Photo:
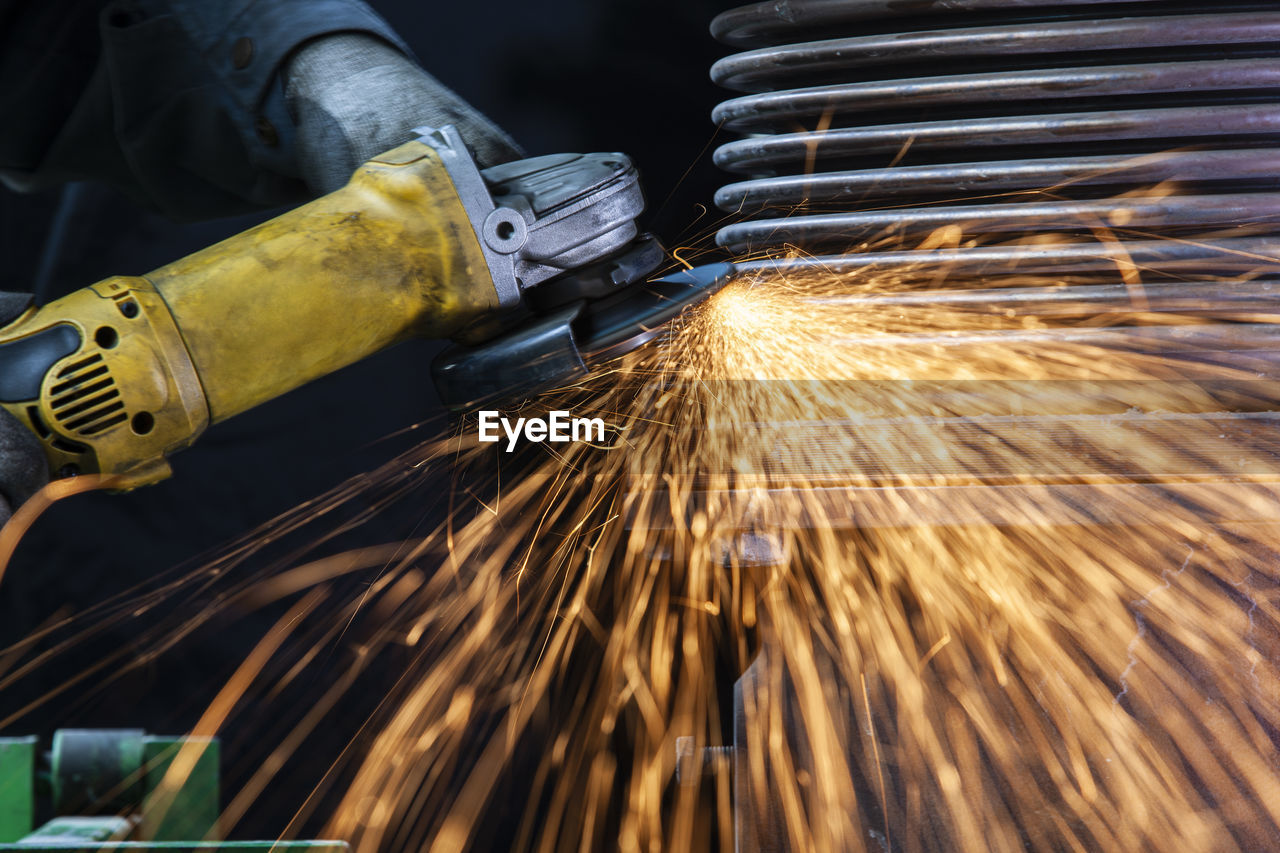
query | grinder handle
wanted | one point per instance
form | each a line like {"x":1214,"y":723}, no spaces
{"x":115,"y":377}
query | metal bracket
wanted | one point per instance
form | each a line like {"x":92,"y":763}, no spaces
{"x":544,"y":216}
{"x":448,"y":144}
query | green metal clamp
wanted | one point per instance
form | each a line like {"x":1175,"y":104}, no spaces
{"x":121,"y":790}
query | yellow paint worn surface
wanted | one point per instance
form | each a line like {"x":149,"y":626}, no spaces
{"x":131,"y":369}
{"x":390,"y":256}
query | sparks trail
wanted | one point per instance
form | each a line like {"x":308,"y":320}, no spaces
{"x":1140,"y":622}
{"x":644,"y":571}
{"x":919,"y":525}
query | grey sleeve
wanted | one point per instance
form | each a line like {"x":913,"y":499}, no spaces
{"x":181,"y":106}
{"x":23,"y":469}
{"x":22,"y":465}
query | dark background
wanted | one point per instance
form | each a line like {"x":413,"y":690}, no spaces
{"x":559,"y":75}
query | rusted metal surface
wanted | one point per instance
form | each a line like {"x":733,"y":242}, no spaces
{"x":845,"y":102}
{"x":978,"y":266}
{"x":1072,"y":504}
{"x":1158,"y":129}
{"x":1258,"y":168}
{"x":770,"y":68}
{"x":1168,"y":214}
{"x":797,"y":20}
{"x":1238,"y":300}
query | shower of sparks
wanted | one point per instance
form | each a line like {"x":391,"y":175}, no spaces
{"x":996,"y":581}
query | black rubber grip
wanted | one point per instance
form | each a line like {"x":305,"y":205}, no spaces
{"x":24,"y":362}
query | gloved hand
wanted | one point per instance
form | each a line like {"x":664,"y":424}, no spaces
{"x":23,"y":469}
{"x":353,"y":96}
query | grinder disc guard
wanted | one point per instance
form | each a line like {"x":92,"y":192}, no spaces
{"x":563,"y":341}
{"x":612,"y":327}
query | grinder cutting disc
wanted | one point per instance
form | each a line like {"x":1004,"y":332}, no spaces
{"x":561,"y":342}
{"x":608,"y":328}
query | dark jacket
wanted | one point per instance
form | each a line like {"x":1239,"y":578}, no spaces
{"x":176,"y":102}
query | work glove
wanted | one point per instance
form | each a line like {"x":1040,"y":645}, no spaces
{"x":23,"y":469}
{"x":353,"y":96}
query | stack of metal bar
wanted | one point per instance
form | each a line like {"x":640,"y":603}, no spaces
{"x":1099,"y":174}
{"x":1006,"y":116}
{"x":1102,"y":174}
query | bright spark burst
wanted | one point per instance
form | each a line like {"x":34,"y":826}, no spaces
{"x":1027,"y":678}
{"x":1004,"y":583}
